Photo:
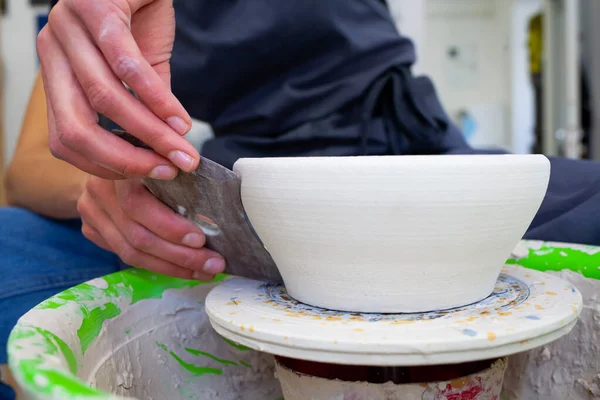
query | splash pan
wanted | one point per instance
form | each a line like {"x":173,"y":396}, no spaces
{"x":135,"y":334}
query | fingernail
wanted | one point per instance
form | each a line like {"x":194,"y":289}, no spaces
{"x":163,"y":172}
{"x":178,"y":125}
{"x":182,"y":160}
{"x":214,"y":266}
{"x":193,"y":240}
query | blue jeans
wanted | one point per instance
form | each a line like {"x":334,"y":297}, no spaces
{"x":40,"y":257}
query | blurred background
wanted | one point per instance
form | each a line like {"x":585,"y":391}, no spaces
{"x":521,"y":75}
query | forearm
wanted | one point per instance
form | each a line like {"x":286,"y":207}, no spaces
{"x":45,"y":185}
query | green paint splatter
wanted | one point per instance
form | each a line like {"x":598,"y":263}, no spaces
{"x":135,"y":284}
{"x":149,"y":285}
{"x":92,"y":323}
{"x":127,"y":331}
{"x":46,"y":381}
{"x":194,"y":369}
{"x":64,"y":348}
{"x":236,"y":345}
{"x":52,"y":344}
{"x":549,"y":258}
{"x":138,"y":284}
{"x":95,"y":304}
{"x":245,"y":364}
{"x":205,"y":354}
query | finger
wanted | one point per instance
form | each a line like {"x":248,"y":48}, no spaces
{"x":145,"y":241}
{"x":89,"y":211}
{"x":108,"y":96}
{"x":145,"y":209}
{"x":157,"y":52}
{"x":76,"y":128}
{"x":94,"y":236}
{"x":130,"y":256}
{"x":61,"y":152}
{"x":110,"y":27}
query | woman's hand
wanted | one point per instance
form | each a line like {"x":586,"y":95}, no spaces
{"x":123,"y":217}
{"x":87,"y":50}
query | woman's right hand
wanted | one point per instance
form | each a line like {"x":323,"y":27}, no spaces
{"x":87,"y":50}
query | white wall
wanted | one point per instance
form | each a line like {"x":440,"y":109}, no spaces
{"x":410,"y":20}
{"x":477,"y":81}
{"x":19,"y":66}
{"x":522,"y":95}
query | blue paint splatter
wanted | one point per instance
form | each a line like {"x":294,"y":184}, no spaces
{"x":534,"y":317}
{"x":469,"y":332}
{"x":573,"y":290}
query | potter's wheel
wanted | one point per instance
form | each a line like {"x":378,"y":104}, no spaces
{"x":527,"y":309}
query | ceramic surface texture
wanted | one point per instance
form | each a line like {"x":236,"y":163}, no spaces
{"x":568,"y":368}
{"x":392,"y":233}
{"x":484,"y":385}
{"x":527,"y":309}
{"x":135,"y":335}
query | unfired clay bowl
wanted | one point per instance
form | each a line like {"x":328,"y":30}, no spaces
{"x":356,"y":233}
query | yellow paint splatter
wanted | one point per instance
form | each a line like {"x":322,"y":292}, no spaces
{"x":360,"y":319}
{"x":333,"y":319}
{"x":575,"y":310}
{"x":505,"y":314}
{"x":471,"y":319}
{"x":402,"y":322}
{"x":358,"y":330}
{"x":522,"y":342}
{"x":491,"y":336}
{"x":316,"y":317}
{"x":292,"y":315}
{"x":276,"y":319}
{"x":242,"y":327}
{"x":251,"y":329}
{"x":538,"y":307}
{"x":458,"y":383}
{"x":551,"y":293}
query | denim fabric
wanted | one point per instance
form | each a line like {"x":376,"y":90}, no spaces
{"x":40,"y":257}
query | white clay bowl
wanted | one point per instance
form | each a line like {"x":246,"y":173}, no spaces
{"x":392,"y":234}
